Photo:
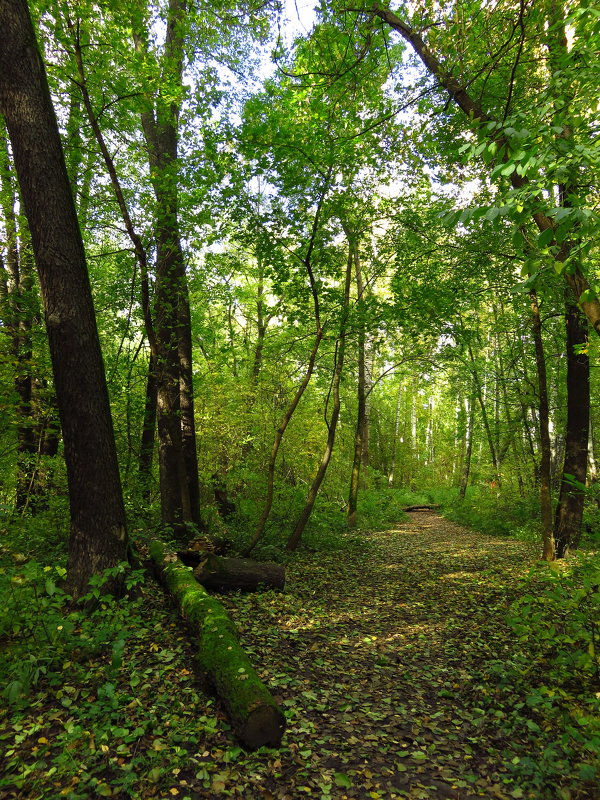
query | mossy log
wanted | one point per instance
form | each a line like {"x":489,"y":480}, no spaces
{"x":229,"y":574}
{"x":256,"y":718}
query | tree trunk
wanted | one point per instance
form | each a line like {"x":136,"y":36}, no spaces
{"x":146,"y":455}
{"x":178,"y":461}
{"x":484,"y":418}
{"x":307,"y":262}
{"x":392,"y":476}
{"x":233,"y":574}
{"x":98,"y":537}
{"x":549,"y":550}
{"x":256,"y":718}
{"x":294,"y":539}
{"x":569,"y":512}
{"x":464,"y":482}
{"x":361,"y":416}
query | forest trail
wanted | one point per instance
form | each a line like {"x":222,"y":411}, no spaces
{"x":384,"y":656}
{"x":380,"y":657}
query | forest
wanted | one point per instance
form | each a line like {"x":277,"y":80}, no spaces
{"x":299,"y":316}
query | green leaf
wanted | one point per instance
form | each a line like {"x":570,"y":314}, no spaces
{"x":545,"y":238}
{"x":342,"y":780}
{"x":518,"y":239}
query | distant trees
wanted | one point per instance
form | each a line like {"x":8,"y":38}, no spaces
{"x":223,"y":221}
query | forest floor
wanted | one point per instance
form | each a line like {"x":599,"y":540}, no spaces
{"x":385,"y":658}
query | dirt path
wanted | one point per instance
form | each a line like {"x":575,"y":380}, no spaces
{"x":385,"y":656}
{"x":379,"y":656}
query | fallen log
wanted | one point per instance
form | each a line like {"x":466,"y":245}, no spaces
{"x":229,"y":574}
{"x":432,"y":507}
{"x":255,"y":716}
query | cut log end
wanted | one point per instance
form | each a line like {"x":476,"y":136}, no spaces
{"x":264,"y":727}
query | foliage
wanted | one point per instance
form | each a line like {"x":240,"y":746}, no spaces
{"x":496,"y":514}
{"x":557,"y":670}
{"x":431,"y":673}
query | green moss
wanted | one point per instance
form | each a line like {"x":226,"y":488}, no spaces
{"x":220,"y":655}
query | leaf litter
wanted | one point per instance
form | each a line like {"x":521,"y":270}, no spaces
{"x":382,"y":658}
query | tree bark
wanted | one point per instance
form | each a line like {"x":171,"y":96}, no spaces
{"x":178,"y":460}
{"x":233,"y":574}
{"x":98,"y":537}
{"x":256,"y":718}
{"x":569,"y":512}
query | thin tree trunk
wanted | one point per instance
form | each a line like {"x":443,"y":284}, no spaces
{"x":307,"y":262}
{"x":98,"y":537}
{"x":146,"y":455}
{"x":361,"y":417}
{"x":549,"y":550}
{"x":294,"y":539}
{"x":392,"y":475}
{"x":484,"y":417}
{"x":260,"y":528}
{"x":470,"y":409}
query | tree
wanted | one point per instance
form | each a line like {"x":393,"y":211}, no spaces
{"x":98,"y":536}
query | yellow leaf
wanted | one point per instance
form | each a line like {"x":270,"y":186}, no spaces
{"x":174,"y":791}
{"x":42,"y":740}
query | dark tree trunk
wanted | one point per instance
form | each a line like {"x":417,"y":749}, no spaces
{"x":233,"y":574}
{"x":98,"y":536}
{"x":569,"y":512}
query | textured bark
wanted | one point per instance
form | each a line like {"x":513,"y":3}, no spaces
{"x":178,"y":461}
{"x":98,"y":535}
{"x":232,"y":574}
{"x":256,"y":718}
{"x":569,"y":512}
